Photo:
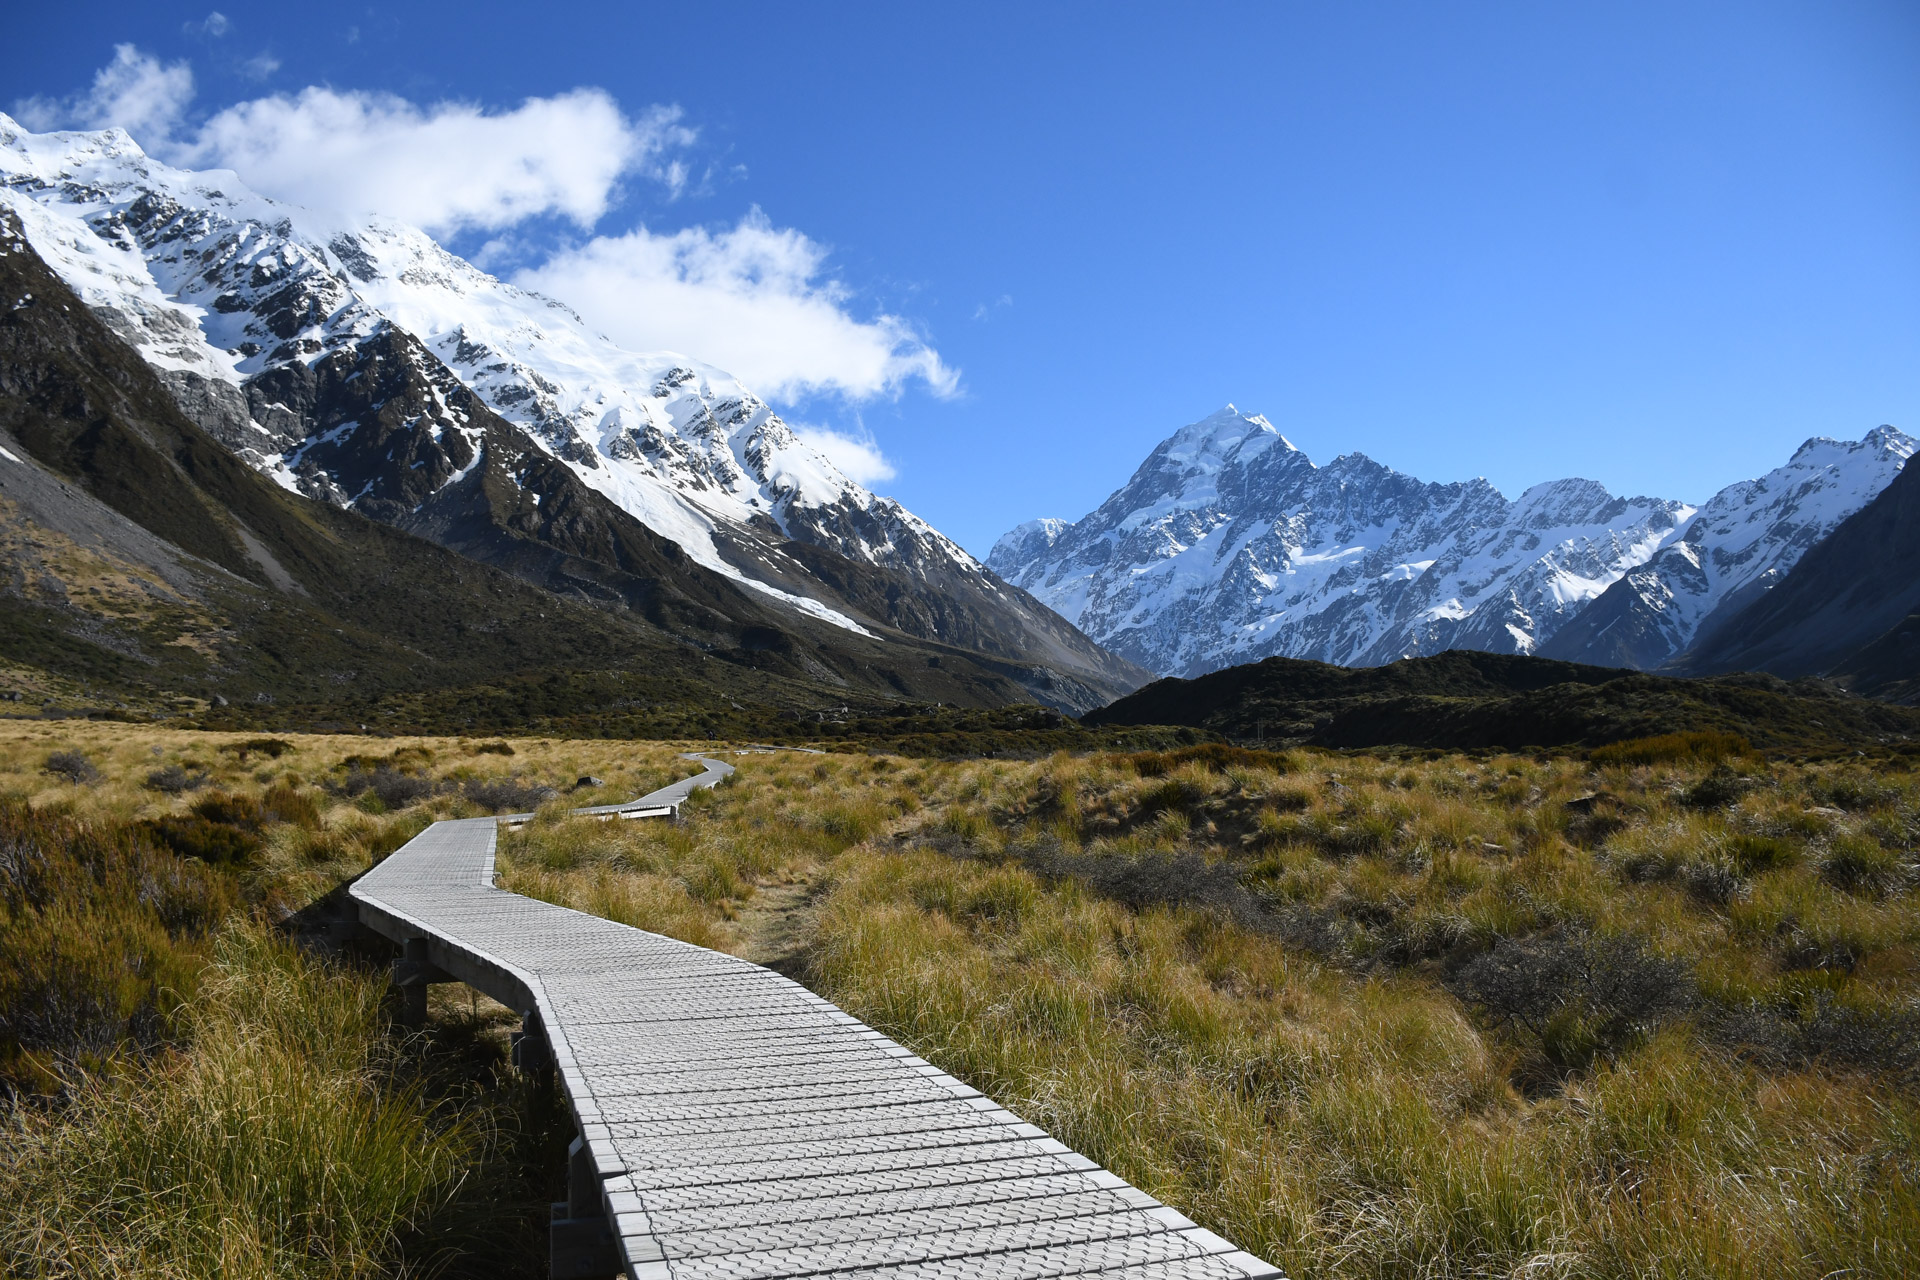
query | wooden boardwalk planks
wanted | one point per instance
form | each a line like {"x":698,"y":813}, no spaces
{"x":743,"y":1128}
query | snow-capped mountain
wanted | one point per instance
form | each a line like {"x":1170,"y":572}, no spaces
{"x":264,"y":318}
{"x":1735,"y":549}
{"x":1229,"y":545}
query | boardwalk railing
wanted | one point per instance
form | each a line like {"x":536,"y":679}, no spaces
{"x":735,"y":1126}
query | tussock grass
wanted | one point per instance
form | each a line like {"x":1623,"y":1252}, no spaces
{"x":186,"y":1094}
{"x":289,"y":1136}
{"x":1373,"y":1017}
{"x":1491,"y":1016}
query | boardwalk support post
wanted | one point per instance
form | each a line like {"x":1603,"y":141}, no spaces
{"x":580,"y":1239}
{"x":412,"y":972}
{"x":528,"y":1048}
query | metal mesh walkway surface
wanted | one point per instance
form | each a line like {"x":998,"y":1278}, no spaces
{"x":733,"y":1125}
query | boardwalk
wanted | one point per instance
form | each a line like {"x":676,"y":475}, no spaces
{"x":733,"y":1125}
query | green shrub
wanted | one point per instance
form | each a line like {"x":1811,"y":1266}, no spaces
{"x":1214,"y":755}
{"x":1578,"y":995}
{"x":73,"y":766}
{"x":1175,"y":795}
{"x":193,"y":836}
{"x":174,"y":780}
{"x":272,"y":748}
{"x":1719,"y":789}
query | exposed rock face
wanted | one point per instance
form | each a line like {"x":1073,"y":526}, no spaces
{"x":360,"y":363}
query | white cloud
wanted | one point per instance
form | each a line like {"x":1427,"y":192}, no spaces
{"x":858,"y":456}
{"x":134,"y":92}
{"x":753,"y":299}
{"x":260,"y":66}
{"x":447,"y":167}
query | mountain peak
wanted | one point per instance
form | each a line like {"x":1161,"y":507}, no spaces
{"x":1826,"y":451}
{"x":1891,"y":438}
{"x":1229,"y":544}
{"x":1206,"y":446}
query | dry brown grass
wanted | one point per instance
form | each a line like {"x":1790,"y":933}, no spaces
{"x":1268,"y":990}
{"x":1251,"y":988}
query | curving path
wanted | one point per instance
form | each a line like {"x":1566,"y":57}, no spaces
{"x":733,"y":1125}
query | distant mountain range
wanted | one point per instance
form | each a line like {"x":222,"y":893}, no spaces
{"x":357,"y":363}
{"x":1229,"y":545}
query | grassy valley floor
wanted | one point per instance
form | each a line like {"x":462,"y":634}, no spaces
{"x":1647,"y":1014}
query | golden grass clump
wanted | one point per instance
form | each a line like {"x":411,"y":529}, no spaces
{"x":280,"y":1141}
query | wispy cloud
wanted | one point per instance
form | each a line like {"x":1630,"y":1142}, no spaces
{"x":753,"y":298}
{"x":857,"y":454}
{"x":260,"y":66}
{"x":134,"y":92}
{"x":447,"y":167}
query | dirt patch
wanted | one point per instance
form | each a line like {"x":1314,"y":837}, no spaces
{"x":775,"y":926}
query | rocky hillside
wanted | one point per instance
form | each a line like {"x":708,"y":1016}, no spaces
{"x":1468,"y":700}
{"x":1849,"y":607}
{"x":359,"y":363}
{"x":144,"y":565}
{"x":1734,"y":551}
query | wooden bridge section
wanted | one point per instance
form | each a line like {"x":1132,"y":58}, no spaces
{"x":735,"y":1126}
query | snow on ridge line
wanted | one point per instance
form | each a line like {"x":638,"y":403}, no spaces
{"x":682,"y":446}
{"x":1220,"y":550}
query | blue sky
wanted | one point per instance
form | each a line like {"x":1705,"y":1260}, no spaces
{"x":1013,"y":247}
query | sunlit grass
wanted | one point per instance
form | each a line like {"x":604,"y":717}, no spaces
{"x":1248,"y":984}
{"x":1292,"y":1065}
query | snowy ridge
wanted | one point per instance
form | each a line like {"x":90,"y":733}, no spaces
{"x":1739,"y":545}
{"x":1229,"y":545}
{"x":215,"y":284}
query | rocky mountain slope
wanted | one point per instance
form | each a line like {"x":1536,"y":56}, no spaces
{"x":359,"y":363}
{"x":1229,"y":544}
{"x":144,"y":563}
{"x":1847,"y":607}
{"x":1733,"y":552}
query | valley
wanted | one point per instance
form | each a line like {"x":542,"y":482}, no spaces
{"x":1394,"y":877}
